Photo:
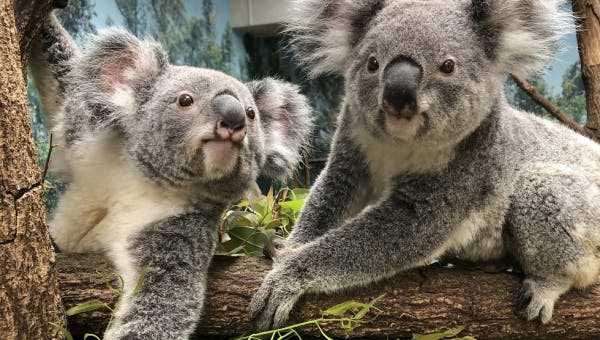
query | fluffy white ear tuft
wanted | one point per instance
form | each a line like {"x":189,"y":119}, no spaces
{"x":527,"y":32}
{"x":323,"y":32}
{"x":115,"y":67}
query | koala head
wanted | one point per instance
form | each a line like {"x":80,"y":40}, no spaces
{"x":425,"y":72}
{"x":183,"y":125}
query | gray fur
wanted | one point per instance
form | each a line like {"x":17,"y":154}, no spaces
{"x":134,"y":156}
{"x":467,"y":176}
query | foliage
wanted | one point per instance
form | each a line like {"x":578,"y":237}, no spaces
{"x":350,"y":314}
{"x":77,"y":18}
{"x":251,"y":226}
{"x":187,"y":39}
{"x":571,"y":100}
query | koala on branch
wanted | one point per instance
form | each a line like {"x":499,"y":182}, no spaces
{"x":153,"y":154}
{"x":430,"y":160}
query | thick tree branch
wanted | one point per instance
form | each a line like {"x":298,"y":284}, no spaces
{"x":419,"y":301}
{"x":587,"y":14}
{"x":548,"y":105}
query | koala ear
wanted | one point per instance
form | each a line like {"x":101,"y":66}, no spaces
{"x":323,"y":32}
{"x":286,"y":121}
{"x":520,"y":35}
{"x":117,"y":65}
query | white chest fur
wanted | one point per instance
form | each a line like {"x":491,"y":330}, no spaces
{"x":108,"y":200}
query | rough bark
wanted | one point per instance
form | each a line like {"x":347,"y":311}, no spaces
{"x":426,"y":300}
{"x":29,"y":297}
{"x":587,"y":13}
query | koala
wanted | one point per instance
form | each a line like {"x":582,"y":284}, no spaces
{"x":153,"y":154}
{"x":429,"y":159}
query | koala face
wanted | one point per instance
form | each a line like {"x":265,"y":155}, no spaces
{"x":424,"y":72}
{"x":183,"y":125}
{"x":419,"y":90}
{"x":196,"y":125}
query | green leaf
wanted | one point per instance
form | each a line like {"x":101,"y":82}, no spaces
{"x":63,"y":330}
{"x":437,"y":336}
{"x":274,"y":224}
{"x":87,"y":306}
{"x":344,"y":308}
{"x":270,"y":200}
{"x":299,"y":193}
{"x":90,"y":335}
{"x":140,"y":281}
{"x":295,"y":205}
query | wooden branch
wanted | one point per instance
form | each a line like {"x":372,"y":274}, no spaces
{"x":548,"y":105}
{"x":426,"y":300}
{"x":587,"y":14}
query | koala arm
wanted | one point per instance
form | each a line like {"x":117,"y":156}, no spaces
{"x":50,"y":64}
{"x":177,"y":252}
{"x":395,"y":235}
{"x":339,"y":192}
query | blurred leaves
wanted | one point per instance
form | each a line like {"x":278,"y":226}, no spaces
{"x":571,"y":100}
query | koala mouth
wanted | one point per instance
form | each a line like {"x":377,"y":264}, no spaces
{"x":405,"y":128}
{"x":220,"y":156}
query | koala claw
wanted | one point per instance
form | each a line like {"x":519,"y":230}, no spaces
{"x":272,"y":303}
{"x":536,"y":301}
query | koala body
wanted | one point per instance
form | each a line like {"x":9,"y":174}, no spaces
{"x":430,"y":160}
{"x":153,"y":154}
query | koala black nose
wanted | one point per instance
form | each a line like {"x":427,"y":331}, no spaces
{"x":231,"y":113}
{"x":401,"y":81}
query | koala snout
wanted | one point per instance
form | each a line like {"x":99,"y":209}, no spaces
{"x":401,"y":80}
{"x":231,"y":115}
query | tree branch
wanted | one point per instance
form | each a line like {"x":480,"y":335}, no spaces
{"x":548,"y":105}
{"x":425,"y":300}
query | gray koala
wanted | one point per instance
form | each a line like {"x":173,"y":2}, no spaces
{"x":429,"y":159}
{"x":154,"y":153}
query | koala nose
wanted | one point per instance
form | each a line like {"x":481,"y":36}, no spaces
{"x":232,"y":117}
{"x":230,"y":111}
{"x":401,"y":81}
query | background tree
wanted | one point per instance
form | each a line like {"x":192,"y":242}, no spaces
{"x":588,"y":39}
{"x":29,"y":297}
{"x":189,"y":40}
{"x":572,"y":98}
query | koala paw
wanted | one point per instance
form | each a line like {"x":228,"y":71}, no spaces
{"x":280,"y":249}
{"x":536,"y":300}
{"x":274,"y":300}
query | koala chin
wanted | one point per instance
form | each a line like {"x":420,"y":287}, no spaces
{"x":430,"y":160}
{"x":153,"y":154}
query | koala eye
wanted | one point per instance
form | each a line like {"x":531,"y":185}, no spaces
{"x":372,"y":64}
{"x":185,"y":100}
{"x":447,"y":67}
{"x":250,"y":112}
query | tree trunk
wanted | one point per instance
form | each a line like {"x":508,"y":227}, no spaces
{"x":588,"y":39}
{"x":425,"y":300}
{"x":29,"y":297}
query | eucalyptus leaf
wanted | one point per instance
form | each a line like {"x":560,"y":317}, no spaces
{"x":295,"y":205}
{"x":63,"y":330}
{"x":87,"y":306}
